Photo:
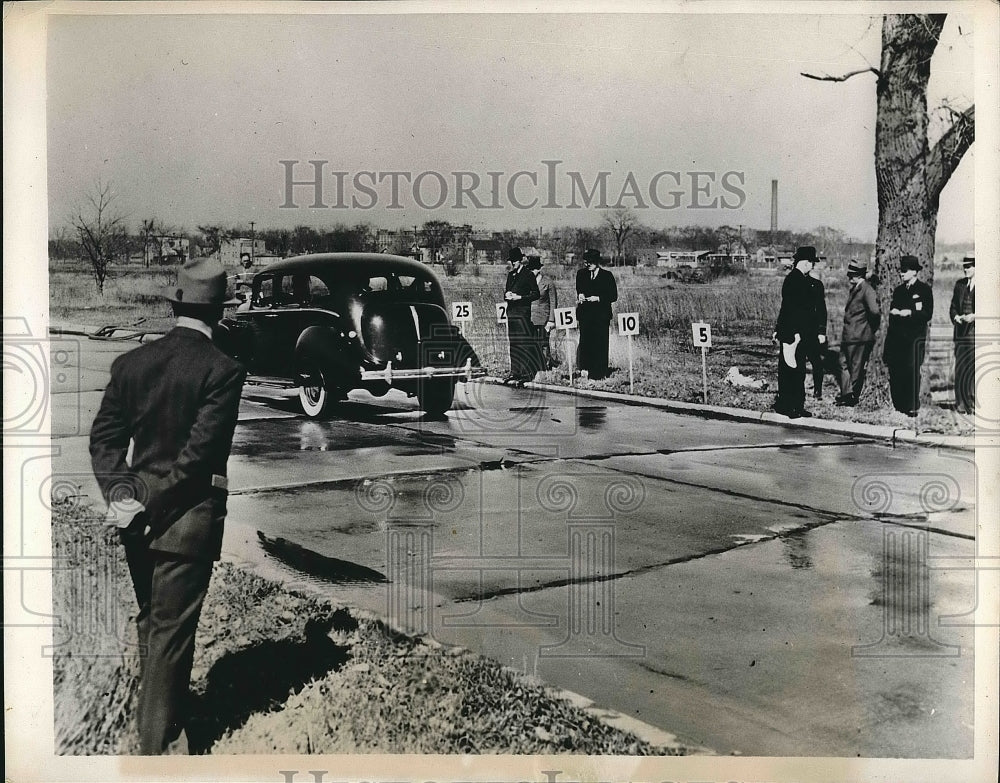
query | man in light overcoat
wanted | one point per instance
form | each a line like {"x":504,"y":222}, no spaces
{"x":862,"y":318}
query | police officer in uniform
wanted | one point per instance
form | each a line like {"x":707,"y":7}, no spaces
{"x":910,"y":310}
{"x":963,"y":317}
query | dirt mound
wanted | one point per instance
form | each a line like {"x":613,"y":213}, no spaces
{"x":280,"y":672}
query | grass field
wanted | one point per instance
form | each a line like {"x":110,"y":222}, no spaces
{"x":741,"y":309}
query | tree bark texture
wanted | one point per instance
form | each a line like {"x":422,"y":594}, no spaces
{"x":910,"y":175}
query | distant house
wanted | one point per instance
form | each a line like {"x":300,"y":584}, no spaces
{"x":231,"y":251}
{"x":483,"y":251}
{"x":168,"y":249}
{"x":736,"y":256}
{"x":772,"y":257}
{"x":674,"y":258}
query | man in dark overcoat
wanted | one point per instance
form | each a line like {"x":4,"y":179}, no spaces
{"x":862,"y":318}
{"x":794,"y":331}
{"x":963,"y":318}
{"x":816,"y":345}
{"x":596,"y":290}
{"x":520,"y":290}
{"x":159,"y":447}
{"x":910,"y":310}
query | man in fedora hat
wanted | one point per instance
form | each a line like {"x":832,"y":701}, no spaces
{"x":910,"y":310}
{"x":596,"y":290}
{"x":963,"y":317}
{"x":520,"y":290}
{"x":795,"y":331}
{"x":862,"y":317}
{"x":175,"y":400}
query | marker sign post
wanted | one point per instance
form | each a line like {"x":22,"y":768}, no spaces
{"x":701,"y":333}
{"x":501,"y":312}
{"x":566,"y":319}
{"x":628,"y":326}
{"x":461,"y":312}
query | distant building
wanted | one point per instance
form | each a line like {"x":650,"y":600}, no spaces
{"x":169,"y":249}
{"x":483,"y":251}
{"x":231,"y":251}
{"x":672,"y":258}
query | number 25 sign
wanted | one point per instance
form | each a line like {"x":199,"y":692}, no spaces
{"x":461,"y":311}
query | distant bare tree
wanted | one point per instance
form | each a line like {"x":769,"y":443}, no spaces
{"x":620,"y":223}
{"x":100,"y":227}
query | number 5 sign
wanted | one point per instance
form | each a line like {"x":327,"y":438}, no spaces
{"x":702,"y":334}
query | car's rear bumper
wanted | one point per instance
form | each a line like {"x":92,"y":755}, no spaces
{"x":391,"y":374}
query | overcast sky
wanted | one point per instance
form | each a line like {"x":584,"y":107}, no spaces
{"x":188,"y":116}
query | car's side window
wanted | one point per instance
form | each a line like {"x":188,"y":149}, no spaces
{"x":318,"y":293}
{"x":264,"y":294}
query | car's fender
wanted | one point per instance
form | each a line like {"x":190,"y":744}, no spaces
{"x":331,"y":350}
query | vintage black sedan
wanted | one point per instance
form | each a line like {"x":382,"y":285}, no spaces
{"x":333,"y":322}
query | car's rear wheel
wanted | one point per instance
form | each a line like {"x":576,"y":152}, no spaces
{"x":315,"y":394}
{"x":435,"y":395}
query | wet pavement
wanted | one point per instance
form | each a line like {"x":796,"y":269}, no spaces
{"x":749,"y":587}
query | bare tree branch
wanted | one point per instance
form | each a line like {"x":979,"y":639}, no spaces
{"x":845,"y":77}
{"x":944,"y":158}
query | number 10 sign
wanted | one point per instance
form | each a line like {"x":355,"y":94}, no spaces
{"x":628,"y":326}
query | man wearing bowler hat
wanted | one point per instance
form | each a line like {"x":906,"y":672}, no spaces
{"x":862,"y":317}
{"x":176,"y":401}
{"x":596,"y":290}
{"x":520,"y":290}
{"x":963,"y":317}
{"x":795,"y":331}
{"x":910,"y":310}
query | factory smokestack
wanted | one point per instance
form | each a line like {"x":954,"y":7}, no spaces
{"x":774,"y":205}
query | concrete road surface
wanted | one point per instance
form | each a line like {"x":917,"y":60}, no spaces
{"x":748,"y":587}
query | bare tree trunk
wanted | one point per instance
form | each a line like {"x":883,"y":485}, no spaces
{"x":909,"y":174}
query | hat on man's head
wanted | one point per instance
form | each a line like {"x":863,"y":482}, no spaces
{"x":857,"y":268}
{"x":534,"y":262}
{"x":968,"y":261}
{"x":805,"y":253}
{"x":591,"y":256}
{"x":201,"y":281}
{"x":907,"y":263}
{"x":514,"y":254}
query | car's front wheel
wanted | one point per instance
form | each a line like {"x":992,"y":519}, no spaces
{"x":435,"y":395}
{"x":315,"y":394}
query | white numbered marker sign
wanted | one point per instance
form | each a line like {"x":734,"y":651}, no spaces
{"x":565,"y":318}
{"x":628,"y":324}
{"x":461,"y":311}
{"x":702,"y":334}
{"x":501,"y":312}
